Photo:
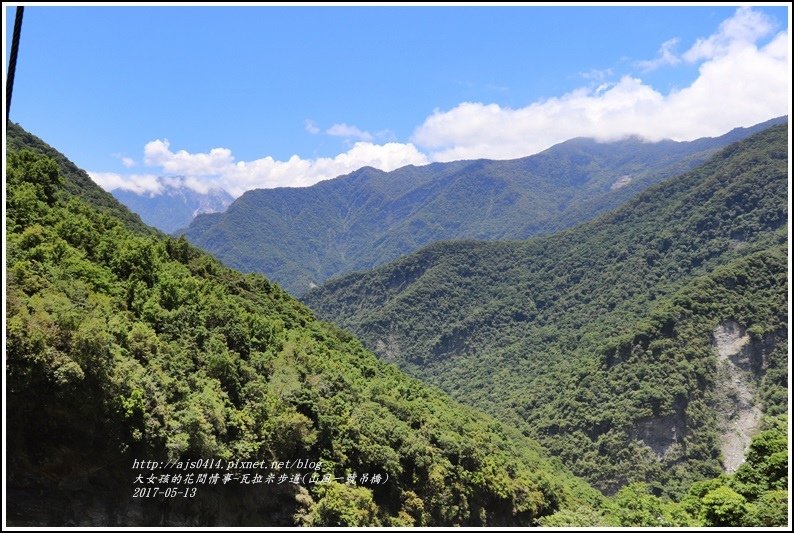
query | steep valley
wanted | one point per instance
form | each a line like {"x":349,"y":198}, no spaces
{"x":598,"y":340}
{"x":596,"y":349}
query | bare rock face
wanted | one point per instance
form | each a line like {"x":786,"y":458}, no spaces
{"x":620,"y":182}
{"x":730,"y":338}
{"x":741,"y":363}
{"x":739,"y":359}
{"x":661,"y":434}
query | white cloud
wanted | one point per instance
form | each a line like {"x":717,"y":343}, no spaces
{"x":137,"y":183}
{"x":739,"y":84}
{"x":742,"y":88}
{"x":473,"y":130}
{"x":386,"y":135}
{"x":128,"y":162}
{"x":297,"y":172}
{"x":778,"y":48}
{"x":742,"y":30}
{"x":157,"y":154}
{"x":665,"y":57}
{"x":218,"y":168}
{"x":598,"y":75}
{"x":349,"y":132}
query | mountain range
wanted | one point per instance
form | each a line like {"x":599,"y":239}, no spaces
{"x":175,"y":206}
{"x":641,"y":346}
{"x":300,"y":237}
{"x":640,"y":349}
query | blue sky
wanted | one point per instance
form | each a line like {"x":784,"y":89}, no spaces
{"x":246,"y":97}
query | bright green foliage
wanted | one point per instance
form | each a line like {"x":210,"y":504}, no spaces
{"x":771,"y":509}
{"x":344,"y":506}
{"x":125,"y":345}
{"x":766,"y":465}
{"x":77,"y":181}
{"x":724,"y":507}
{"x":599,"y":340}
{"x":301,"y":237}
{"x":720,"y":501}
{"x":635,"y":506}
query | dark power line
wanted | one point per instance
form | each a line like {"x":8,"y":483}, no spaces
{"x":12,"y":61}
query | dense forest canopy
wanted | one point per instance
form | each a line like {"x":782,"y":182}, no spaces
{"x":124,"y":344}
{"x":600,"y":340}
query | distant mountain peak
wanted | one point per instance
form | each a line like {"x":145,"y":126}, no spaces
{"x":175,"y":204}
{"x":300,"y":236}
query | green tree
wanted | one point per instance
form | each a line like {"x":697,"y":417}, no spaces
{"x":41,"y":172}
{"x":724,"y":507}
{"x":344,"y":506}
{"x":635,"y":506}
{"x":770,"y":510}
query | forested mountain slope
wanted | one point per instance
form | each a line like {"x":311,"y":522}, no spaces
{"x":630,"y":346}
{"x":123,"y":344}
{"x":300,"y":237}
{"x":77,"y":181}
